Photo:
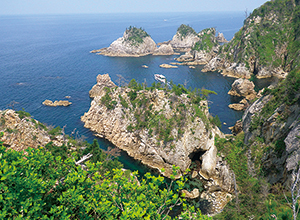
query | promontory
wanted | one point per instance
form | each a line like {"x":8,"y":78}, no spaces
{"x":160,"y":127}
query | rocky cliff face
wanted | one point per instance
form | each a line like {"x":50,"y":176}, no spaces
{"x":279,"y":130}
{"x":203,"y":50}
{"x":264,"y":45}
{"x":21,"y":131}
{"x":160,"y":129}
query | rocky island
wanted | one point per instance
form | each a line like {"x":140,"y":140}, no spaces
{"x":135,"y":42}
{"x":160,"y":128}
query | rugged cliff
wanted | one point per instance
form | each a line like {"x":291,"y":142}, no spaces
{"x":203,"y":50}
{"x":20,"y":131}
{"x":161,"y":128}
{"x":266,"y":45}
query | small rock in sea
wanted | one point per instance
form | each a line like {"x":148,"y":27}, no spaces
{"x":56,"y":103}
{"x":167,"y":66}
{"x":145,"y":66}
{"x":67,"y":97}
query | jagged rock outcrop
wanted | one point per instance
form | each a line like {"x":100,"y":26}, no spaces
{"x":243,"y":88}
{"x":281,"y":130}
{"x":227,"y":68}
{"x":57,"y":103}
{"x":134,"y":43}
{"x":21,"y":132}
{"x":113,"y":125}
{"x":220,"y":38}
{"x":102,"y":82}
{"x":112,"y":116}
{"x":185,"y":38}
{"x":163,"y":50}
{"x":237,"y":128}
{"x":203,"y":50}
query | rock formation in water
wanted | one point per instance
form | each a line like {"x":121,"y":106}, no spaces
{"x":57,"y":103}
{"x":203,"y":50}
{"x":243,"y":88}
{"x":135,"y":43}
{"x":164,"y":49}
{"x":159,"y":128}
{"x":185,"y":38}
{"x":168,"y":66}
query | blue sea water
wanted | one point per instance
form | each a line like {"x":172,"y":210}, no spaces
{"x":47,"y":57}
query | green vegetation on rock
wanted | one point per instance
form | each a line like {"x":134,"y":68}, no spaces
{"x":135,"y":35}
{"x":207,"y":40}
{"x":181,"y":107}
{"x":254,"y":198}
{"x":269,"y":37}
{"x":185,"y":30}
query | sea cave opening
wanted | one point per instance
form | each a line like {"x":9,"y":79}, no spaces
{"x":196,"y":158}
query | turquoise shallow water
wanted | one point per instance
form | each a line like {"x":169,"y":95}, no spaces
{"x":47,"y":57}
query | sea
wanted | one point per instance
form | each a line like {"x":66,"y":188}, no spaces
{"x":48,"y":57}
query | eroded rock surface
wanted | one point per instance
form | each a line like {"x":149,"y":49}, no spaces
{"x":243,"y":88}
{"x":19,"y":133}
{"x":118,"y":125}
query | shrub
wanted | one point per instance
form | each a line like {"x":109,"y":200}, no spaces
{"x":22,"y":114}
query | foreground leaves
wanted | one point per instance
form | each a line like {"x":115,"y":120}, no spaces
{"x":39,"y":185}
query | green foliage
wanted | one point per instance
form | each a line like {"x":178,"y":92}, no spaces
{"x":185,"y":30}
{"x":271,"y":28}
{"x":254,"y":197}
{"x":206,"y":92}
{"x":123,"y":102}
{"x":107,"y":101}
{"x":216,"y":121}
{"x":179,"y":89}
{"x":22,"y":114}
{"x":207,"y":40}
{"x":136,"y":35}
{"x":55,"y":131}
{"x":280,"y":147}
{"x":43,"y":185}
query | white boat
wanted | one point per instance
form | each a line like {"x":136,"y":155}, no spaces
{"x":160,"y":78}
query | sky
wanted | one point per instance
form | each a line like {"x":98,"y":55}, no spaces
{"x":16,"y":7}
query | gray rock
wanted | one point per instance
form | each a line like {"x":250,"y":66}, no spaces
{"x":122,"y":47}
{"x":244,"y":88}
